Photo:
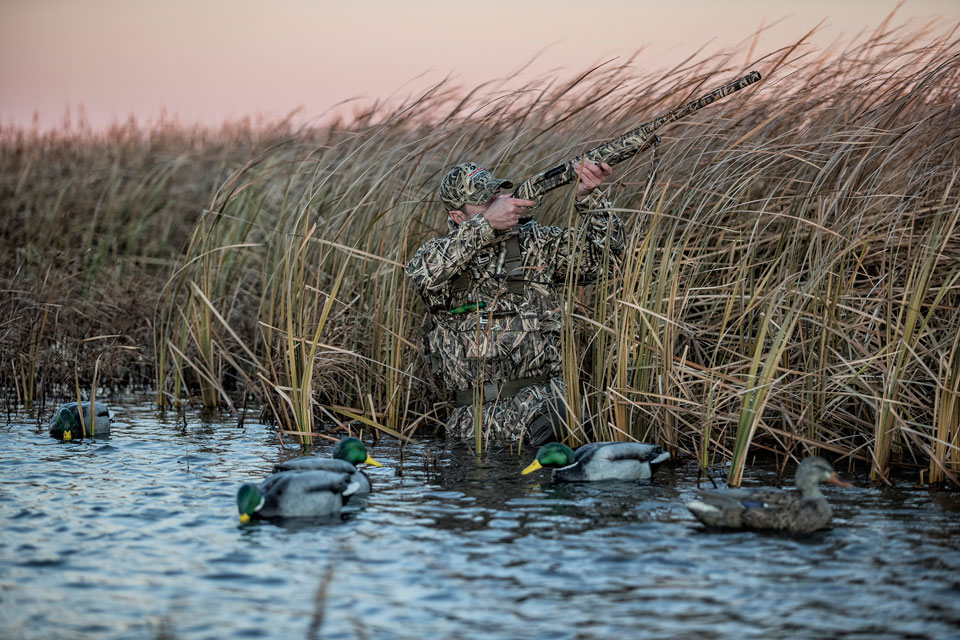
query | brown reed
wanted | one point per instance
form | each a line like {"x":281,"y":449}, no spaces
{"x":791,"y":280}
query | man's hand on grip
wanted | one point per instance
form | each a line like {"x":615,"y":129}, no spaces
{"x":504,"y":212}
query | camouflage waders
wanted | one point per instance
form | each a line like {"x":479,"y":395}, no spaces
{"x":494,"y":322}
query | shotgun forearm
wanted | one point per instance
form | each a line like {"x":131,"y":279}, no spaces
{"x":622,"y":147}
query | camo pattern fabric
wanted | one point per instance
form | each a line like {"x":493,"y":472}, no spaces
{"x":515,"y":334}
{"x":625,"y":146}
{"x":508,"y":418}
{"x":469,"y":183}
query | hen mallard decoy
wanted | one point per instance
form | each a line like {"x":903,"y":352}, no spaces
{"x":65,"y":424}
{"x":346,"y":455}
{"x":768,"y":508}
{"x":308,"y":486}
{"x":599,"y":461}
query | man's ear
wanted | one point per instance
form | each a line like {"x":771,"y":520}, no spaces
{"x":456,"y":216}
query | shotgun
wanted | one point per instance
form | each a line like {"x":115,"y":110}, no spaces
{"x":623,"y":147}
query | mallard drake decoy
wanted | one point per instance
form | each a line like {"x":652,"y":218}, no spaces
{"x":65,"y":424}
{"x":346,"y":455}
{"x":309,"y":485}
{"x":599,"y":461}
{"x":799,"y":511}
{"x":294,"y":494}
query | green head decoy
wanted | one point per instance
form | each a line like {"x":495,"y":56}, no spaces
{"x":599,"y":461}
{"x":62,"y":424}
{"x":553,"y":455}
{"x":296,"y":494}
{"x":353,"y":451}
{"x":249,"y":501}
{"x":66,"y":423}
{"x":309,"y":485}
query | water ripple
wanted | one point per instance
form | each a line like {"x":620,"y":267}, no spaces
{"x":137,"y":536}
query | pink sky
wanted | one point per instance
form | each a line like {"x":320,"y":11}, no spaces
{"x":207,"y":60}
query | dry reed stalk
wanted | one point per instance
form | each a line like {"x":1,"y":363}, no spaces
{"x":790,"y":280}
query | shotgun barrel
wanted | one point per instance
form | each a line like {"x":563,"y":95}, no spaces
{"x":622,"y":147}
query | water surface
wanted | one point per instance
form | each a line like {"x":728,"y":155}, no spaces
{"x":136,"y":536}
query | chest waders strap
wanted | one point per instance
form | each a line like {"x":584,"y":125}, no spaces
{"x":493,"y":391}
{"x":432,"y":357}
{"x":512,"y":263}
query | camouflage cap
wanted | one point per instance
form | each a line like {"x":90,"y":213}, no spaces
{"x":469,"y":183}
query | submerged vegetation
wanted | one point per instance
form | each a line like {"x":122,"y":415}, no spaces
{"x":792,"y":279}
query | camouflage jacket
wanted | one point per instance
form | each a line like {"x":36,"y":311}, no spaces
{"x":508,"y":323}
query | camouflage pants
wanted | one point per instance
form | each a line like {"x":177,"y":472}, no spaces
{"x":519,"y":417}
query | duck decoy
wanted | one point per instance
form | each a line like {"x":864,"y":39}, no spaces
{"x":346,"y":455}
{"x":309,"y":486}
{"x":295,"y":494}
{"x":768,"y":508}
{"x":65,"y":424}
{"x":599,"y":461}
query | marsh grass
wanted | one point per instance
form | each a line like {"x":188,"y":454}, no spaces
{"x":92,"y":223}
{"x":791,"y":283}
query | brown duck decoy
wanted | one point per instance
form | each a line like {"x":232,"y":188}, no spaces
{"x":772,"y":509}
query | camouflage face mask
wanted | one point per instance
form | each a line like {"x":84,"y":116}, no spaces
{"x":469,"y":183}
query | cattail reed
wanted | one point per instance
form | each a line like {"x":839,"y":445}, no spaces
{"x":792,"y":276}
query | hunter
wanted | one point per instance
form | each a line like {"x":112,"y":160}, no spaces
{"x":493,"y":291}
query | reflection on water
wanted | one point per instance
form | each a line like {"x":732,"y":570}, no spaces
{"x":137,"y":536}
